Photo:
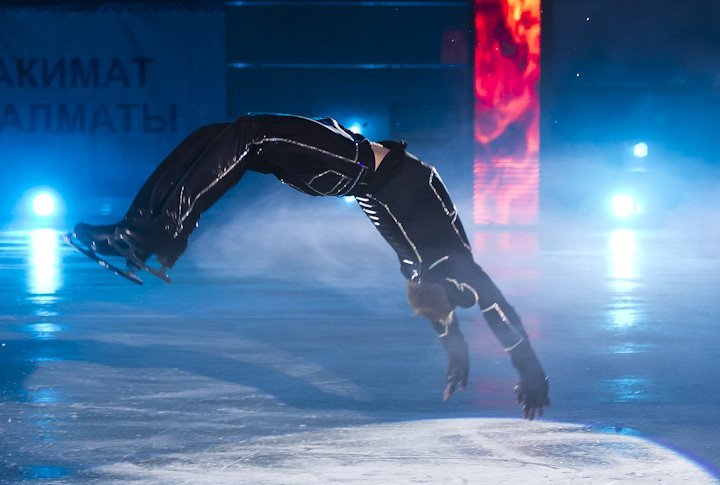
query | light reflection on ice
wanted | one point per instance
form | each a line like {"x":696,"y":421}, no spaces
{"x":623,"y":255}
{"x":44,"y":331}
{"x":630,"y":388}
{"x":623,"y":316}
{"x":44,"y":277}
{"x":45,"y":395}
{"x":630,"y":348}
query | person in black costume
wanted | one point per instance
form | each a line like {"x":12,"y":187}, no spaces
{"x":401,"y":195}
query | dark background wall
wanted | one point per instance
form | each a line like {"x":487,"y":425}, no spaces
{"x":94,"y":94}
{"x":617,"y":72}
{"x":614,"y":72}
{"x":399,"y":70}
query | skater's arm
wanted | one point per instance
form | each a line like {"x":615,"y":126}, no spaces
{"x":431,"y":301}
{"x":506,"y":325}
{"x":454,"y":343}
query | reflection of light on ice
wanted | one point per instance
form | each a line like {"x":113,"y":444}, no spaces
{"x":44,"y":275}
{"x":630,"y":388}
{"x":623,"y":317}
{"x":44,"y":331}
{"x":622,"y":268}
{"x":44,"y":395}
{"x":500,"y":451}
{"x":630,"y":348}
{"x":623,"y":247}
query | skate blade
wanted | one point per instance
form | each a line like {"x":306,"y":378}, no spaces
{"x":158,"y":272}
{"x":70,"y":239}
{"x":134,"y":262}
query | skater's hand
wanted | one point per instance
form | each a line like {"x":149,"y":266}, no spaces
{"x":532,"y":391}
{"x":458,"y":364}
{"x":532,"y":395}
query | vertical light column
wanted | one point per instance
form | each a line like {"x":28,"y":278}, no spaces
{"x":507,"y":135}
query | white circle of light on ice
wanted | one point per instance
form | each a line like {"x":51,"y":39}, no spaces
{"x":454,"y":451}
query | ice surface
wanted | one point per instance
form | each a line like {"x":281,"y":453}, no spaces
{"x":455,"y":451}
{"x":279,"y":371}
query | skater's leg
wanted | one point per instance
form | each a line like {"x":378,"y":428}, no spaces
{"x":256,"y":142}
{"x":157,"y":187}
{"x":207,"y":164}
{"x":154,"y":191}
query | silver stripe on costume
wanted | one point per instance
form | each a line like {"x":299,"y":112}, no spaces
{"x":444,"y":258}
{"x":291,"y":185}
{"x":237,"y":159}
{"x":506,"y":321}
{"x":461,"y":287}
{"x":451,"y":214}
{"x":310,"y":147}
{"x":402,"y":229}
{"x":433,"y":173}
{"x":457,"y":231}
{"x":341,"y":191}
{"x":343,"y":178}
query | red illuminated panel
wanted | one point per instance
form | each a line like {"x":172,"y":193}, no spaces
{"x":507,"y":136}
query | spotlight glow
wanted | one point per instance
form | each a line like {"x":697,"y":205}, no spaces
{"x":349,"y":199}
{"x":43,"y":204}
{"x":624,"y":206}
{"x":640,"y":150}
{"x":356,"y":128}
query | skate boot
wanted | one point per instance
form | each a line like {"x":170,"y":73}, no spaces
{"x":119,"y":240}
{"x":95,"y":238}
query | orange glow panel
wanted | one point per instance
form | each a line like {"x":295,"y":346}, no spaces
{"x":507,"y":107}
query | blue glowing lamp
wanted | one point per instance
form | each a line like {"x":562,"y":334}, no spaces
{"x":640,"y":150}
{"x":623,"y":206}
{"x":43,"y":204}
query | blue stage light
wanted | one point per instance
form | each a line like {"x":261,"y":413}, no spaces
{"x":624,"y":206}
{"x":640,"y":150}
{"x":349,"y":199}
{"x":43,"y":204}
{"x":356,"y":128}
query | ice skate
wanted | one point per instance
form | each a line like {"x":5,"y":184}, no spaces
{"x":116,"y":241}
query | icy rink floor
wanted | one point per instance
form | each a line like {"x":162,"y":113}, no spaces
{"x":438,"y":451}
{"x":303,"y":364}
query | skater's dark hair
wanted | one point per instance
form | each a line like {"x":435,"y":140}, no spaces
{"x":429,"y":300}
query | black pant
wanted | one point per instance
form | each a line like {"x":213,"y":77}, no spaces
{"x":316,"y":156}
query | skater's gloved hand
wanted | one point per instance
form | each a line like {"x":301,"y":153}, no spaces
{"x":533,"y":397}
{"x":532,"y":391}
{"x":458,"y":363}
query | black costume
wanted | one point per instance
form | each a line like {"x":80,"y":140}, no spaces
{"x":405,"y":199}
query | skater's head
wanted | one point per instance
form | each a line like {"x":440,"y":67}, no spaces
{"x":429,"y":300}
